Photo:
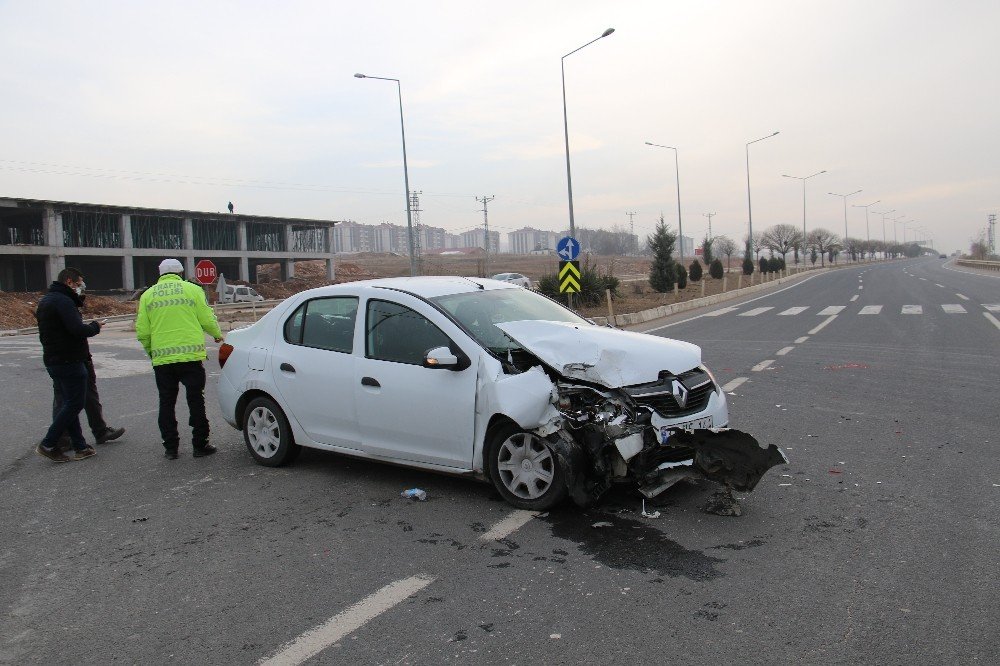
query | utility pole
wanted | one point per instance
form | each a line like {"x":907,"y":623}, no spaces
{"x":992,"y":233}
{"x":709,"y":216}
{"x":632,"y":239}
{"x":486,"y":231}
{"x":415,"y":211}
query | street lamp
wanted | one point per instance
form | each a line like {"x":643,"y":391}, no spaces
{"x":406,"y":174}
{"x":895,"y":221}
{"x":883,"y":214}
{"x":844,"y":196}
{"x":749,"y":207}
{"x":677,"y":171}
{"x":868,"y":234}
{"x":803,"y":179}
{"x":569,"y":177}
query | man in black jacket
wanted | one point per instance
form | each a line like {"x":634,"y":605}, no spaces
{"x":64,"y":352}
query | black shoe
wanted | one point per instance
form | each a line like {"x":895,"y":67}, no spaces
{"x":202,"y":451}
{"x":170,"y":454}
{"x":109,"y":434}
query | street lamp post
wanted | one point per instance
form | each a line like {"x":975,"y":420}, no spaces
{"x":677,"y":171}
{"x":803,"y":179}
{"x":749,"y":207}
{"x":895,"y":221}
{"x":406,"y":174}
{"x":844,"y":197}
{"x":868,"y":234}
{"x":884,"y":240}
{"x":569,"y":177}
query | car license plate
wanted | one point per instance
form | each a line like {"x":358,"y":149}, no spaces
{"x":697,"y":424}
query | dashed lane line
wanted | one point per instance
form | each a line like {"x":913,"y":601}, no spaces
{"x":854,"y":298}
{"x":822,"y":326}
{"x":763,"y":365}
{"x":793,"y":311}
{"x":912,"y":309}
{"x":784,"y":350}
{"x":507,"y":526}
{"x":992,"y":307}
{"x":870,"y":310}
{"x":992,"y":319}
{"x":316,"y":640}
{"x":964,"y":298}
{"x":716,"y":313}
{"x":734,"y":384}
{"x":755,"y":312}
{"x":940,"y":285}
{"x":832,"y":310}
{"x":799,"y":341}
{"x":953,"y":308}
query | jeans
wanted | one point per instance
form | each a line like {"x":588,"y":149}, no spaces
{"x":168,"y":378}
{"x":92,"y":403}
{"x":71,"y":384}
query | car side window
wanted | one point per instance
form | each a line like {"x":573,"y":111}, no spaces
{"x":324,"y":323}
{"x":396,"y":333}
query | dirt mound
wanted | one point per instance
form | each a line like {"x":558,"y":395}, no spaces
{"x":17,"y":309}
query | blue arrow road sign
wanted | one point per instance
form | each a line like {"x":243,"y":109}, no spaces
{"x":567,"y":248}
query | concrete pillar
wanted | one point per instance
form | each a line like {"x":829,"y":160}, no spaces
{"x":241,"y":236}
{"x":289,"y":238}
{"x":289,"y":268}
{"x":56,"y":261}
{"x":331,"y":271}
{"x":188,"y":234}
{"x":128,"y":273}
{"x":244,"y":271}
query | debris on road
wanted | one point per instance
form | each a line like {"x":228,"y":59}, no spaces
{"x":603,"y":523}
{"x":723,"y":503}
{"x":414,"y":494}
{"x":645,"y":514}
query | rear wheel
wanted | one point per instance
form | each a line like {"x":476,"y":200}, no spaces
{"x":525,"y":470}
{"x":267,"y":434}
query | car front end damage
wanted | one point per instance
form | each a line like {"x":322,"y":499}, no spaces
{"x":611,"y":419}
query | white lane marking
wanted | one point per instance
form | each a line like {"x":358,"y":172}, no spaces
{"x":940,"y":285}
{"x":871,"y":309}
{"x":821,"y":326}
{"x":992,"y":307}
{"x":755,"y":311}
{"x":854,"y":298}
{"x":912,"y":309}
{"x":992,"y":319}
{"x":832,"y":310}
{"x":506,"y":527}
{"x":953,"y":308}
{"x":860,"y":287}
{"x":924,"y":279}
{"x":716,"y":313}
{"x":750,"y":300}
{"x":763,"y":365}
{"x":799,"y":341}
{"x":964,"y":298}
{"x":316,"y":640}
{"x":784,"y":350}
{"x":734,"y":384}
{"x":793,"y":311}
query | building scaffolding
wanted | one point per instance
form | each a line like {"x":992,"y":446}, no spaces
{"x":156,"y":231}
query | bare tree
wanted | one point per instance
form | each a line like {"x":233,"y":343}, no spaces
{"x":854,"y":247}
{"x":725,"y":245}
{"x":781,"y":238}
{"x":822,"y":240}
{"x":758,"y":244}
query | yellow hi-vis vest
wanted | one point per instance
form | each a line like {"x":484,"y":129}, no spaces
{"x":173,"y":319}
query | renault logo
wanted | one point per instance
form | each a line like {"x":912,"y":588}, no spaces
{"x":680,"y":393}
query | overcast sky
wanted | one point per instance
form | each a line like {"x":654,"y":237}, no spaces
{"x":189,"y":105}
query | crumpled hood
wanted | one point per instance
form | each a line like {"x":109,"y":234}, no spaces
{"x":606,"y":356}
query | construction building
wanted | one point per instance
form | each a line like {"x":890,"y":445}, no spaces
{"x":117,"y":247}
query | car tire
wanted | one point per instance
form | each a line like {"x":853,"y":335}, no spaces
{"x":524,"y":469}
{"x":267,"y":434}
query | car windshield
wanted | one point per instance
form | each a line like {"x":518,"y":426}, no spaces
{"x":479,"y":311}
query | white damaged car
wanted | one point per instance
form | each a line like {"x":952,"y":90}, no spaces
{"x":479,"y":377}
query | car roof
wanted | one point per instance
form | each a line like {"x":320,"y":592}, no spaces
{"x":423,"y":286}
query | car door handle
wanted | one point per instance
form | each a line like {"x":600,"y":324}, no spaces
{"x":370,"y":381}
{"x":286,"y":367}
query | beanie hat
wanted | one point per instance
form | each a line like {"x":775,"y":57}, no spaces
{"x":171,"y":266}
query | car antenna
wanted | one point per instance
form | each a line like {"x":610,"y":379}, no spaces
{"x":478,"y":284}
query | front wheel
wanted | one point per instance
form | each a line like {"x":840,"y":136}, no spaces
{"x":267,"y":433}
{"x":525,"y":470}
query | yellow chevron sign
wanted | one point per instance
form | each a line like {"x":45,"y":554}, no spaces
{"x":569,"y":277}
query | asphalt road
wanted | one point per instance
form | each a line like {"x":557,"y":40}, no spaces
{"x":876,"y":544}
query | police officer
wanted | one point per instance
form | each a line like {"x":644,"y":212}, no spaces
{"x":172,"y":321}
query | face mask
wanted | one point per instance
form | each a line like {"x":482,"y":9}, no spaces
{"x":80,"y":288}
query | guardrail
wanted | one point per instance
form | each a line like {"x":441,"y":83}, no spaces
{"x":985,"y":265}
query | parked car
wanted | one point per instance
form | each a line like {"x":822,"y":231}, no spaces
{"x":514,"y":278}
{"x":476,"y":376}
{"x":238,"y":293}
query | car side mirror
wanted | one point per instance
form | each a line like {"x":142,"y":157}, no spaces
{"x":440,"y":357}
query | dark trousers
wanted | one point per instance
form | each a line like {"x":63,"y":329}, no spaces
{"x":92,"y":403}
{"x":71,"y":384}
{"x":169,"y":377}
